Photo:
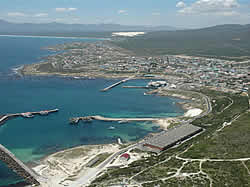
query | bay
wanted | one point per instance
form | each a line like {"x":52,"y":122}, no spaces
{"x":32,"y":139}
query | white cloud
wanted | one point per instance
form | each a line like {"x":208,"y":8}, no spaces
{"x":76,"y":19}
{"x":228,"y":13}
{"x":156,"y":13}
{"x":41,"y":15}
{"x":215,"y":7}
{"x":59,"y":20}
{"x":65,"y":9}
{"x":20,"y":14}
{"x":122,"y":11}
{"x":16,"y":14}
{"x":180,"y":4}
{"x":72,"y":9}
{"x":60,"y":9}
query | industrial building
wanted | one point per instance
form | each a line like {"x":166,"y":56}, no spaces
{"x":167,"y":139}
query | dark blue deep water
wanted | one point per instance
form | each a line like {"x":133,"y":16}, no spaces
{"x":31,"y":139}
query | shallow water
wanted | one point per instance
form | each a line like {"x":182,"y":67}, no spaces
{"x":31,"y":139}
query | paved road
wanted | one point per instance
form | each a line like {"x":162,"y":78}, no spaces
{"x":93,"y":172}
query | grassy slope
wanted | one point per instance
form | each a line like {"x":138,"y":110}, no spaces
{"x":228,"y":40}
{"x":229,"y":143}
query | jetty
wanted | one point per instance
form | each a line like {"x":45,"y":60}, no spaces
{"x":101,"y":118}
{"x":117,"y":83}
{"x":4,"y":118}
{"x":141,"y":87}
{"x":18,"y":167}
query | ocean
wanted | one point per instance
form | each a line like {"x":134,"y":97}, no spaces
{"x":32,"y":139}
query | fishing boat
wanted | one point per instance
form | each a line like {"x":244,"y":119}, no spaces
{"x":111,"y":128}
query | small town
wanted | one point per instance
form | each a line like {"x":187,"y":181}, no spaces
{"x":103,"y":59}
{"x":125,"y":93}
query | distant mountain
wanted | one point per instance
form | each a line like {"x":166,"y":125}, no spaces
{"x":227,"y":27}
{"x":54,"y":27}
{"x":221,"y":40}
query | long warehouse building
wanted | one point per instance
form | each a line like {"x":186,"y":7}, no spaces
{"x":167,"y":139}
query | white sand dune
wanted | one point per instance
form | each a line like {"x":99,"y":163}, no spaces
{"x":165,"y":123}
{"x":58,"y":168}
{"x":129,"y":34}
{"x":193,"y":112}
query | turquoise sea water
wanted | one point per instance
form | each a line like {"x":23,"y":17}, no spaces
{"x":31,"y":139}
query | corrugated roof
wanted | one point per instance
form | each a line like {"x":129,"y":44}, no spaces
{"x":173,"y":135}
{"x":125,"y":155}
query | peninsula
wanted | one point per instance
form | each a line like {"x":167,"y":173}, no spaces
{"x":105,"y":59}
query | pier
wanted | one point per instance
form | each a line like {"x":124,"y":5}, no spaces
{"x":117,"y":83}
{"x":100,"y":118}
{"x":4,"y":118}
{"x":142,"y":87}
{"x":18,"y":167}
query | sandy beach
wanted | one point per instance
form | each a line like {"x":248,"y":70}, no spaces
{"x":165,"y":123}
{"x":63,"y":167}
{"x":129,"y":34}
{"x":193,"y":112}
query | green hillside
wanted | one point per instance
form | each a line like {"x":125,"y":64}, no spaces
{"x":223,"y":40}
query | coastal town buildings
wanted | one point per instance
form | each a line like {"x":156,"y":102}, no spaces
{"x":103,"y":59}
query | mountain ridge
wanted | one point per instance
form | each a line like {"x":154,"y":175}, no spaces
{"x":6,"y":26}
{"x":221,"y":40}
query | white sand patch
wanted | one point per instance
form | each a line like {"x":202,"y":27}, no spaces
{"x":164,"y":123}
{"x":58,"y":168}
{"x":193,"y":112}
{"x":133,"y":157}
{"x":129,"y":34}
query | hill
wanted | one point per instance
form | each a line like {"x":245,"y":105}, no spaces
{"x":219,"y":41}
{"x":60,"y":29}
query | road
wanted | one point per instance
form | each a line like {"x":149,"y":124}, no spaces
{"x":93,"y":172}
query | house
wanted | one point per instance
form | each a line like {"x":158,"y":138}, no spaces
{"x":125,"y":157}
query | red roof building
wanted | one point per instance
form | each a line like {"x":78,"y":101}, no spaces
{"x":125,"y":156}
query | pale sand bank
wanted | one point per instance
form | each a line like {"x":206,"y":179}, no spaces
{"x":63,"y":167}
{"x":193,"y":112}
{"x":165,"y":123}
{"x":129,"y":34}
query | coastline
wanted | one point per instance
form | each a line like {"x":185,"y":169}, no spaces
{"x":64,"y":167}
{"x":58,"y":37}
{"x":28,"y":70}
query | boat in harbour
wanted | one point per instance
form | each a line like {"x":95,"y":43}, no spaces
{"x":111,"y":128}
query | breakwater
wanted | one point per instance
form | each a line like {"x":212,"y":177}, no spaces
{"x":100,"y":118}
{"x":4,"y":118}
{"x":18,"y":166}
{"x":143,"y":87}
{"x":26,"y":138}
{"x":117,"y":83}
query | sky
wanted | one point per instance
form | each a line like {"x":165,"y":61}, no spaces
{"x":176,"y":13}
